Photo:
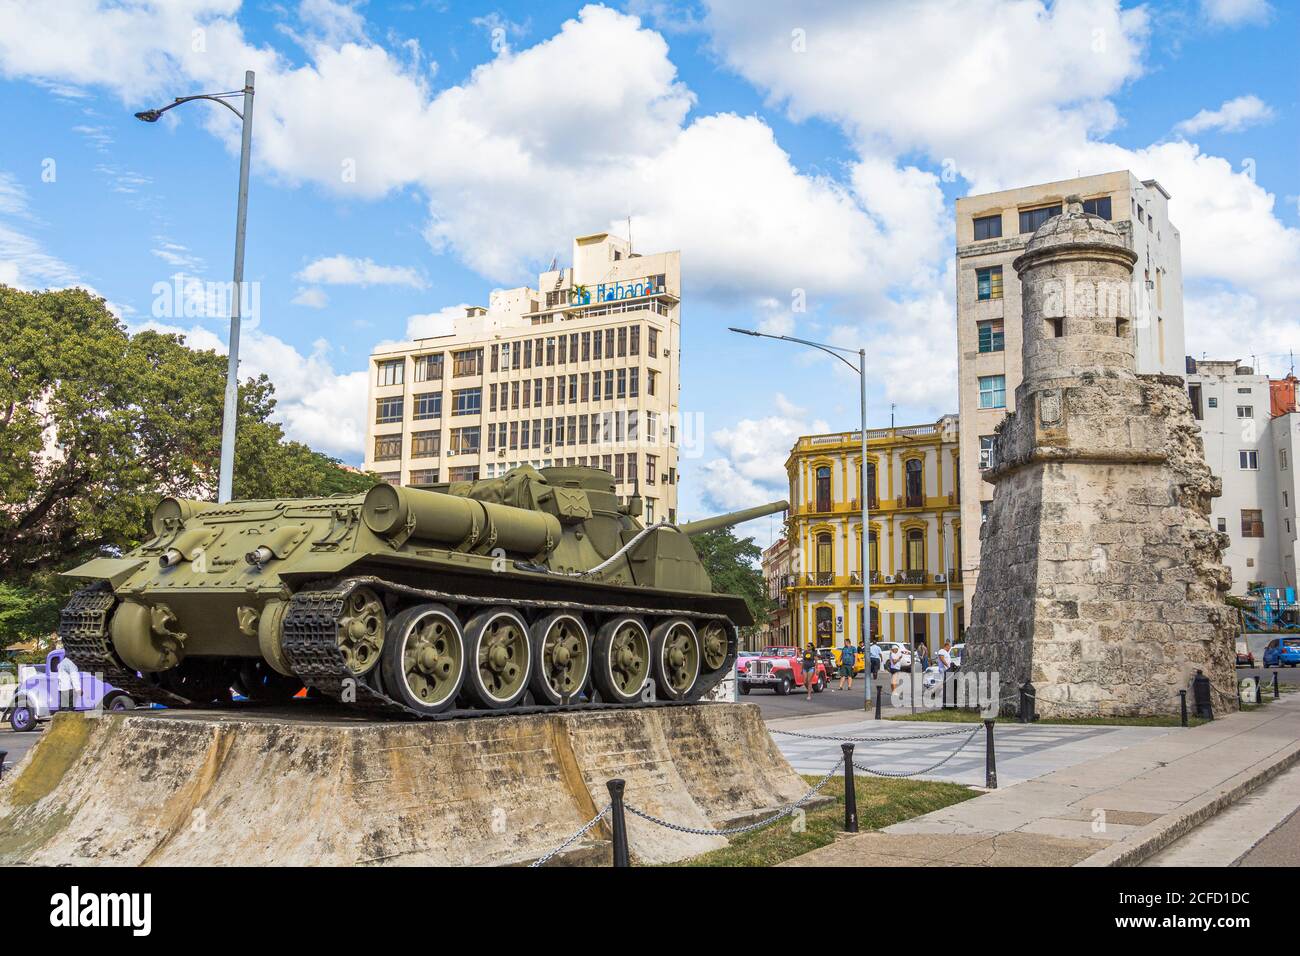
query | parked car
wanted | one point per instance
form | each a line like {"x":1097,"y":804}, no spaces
{"x":781,"y":669}
{"x":37,"y":695}
{"x":955,"y":654}
{"x":8,"y":686}
{"x":1244,"y":656}
{"x":1282,"y":651}
{"x":742,"y":660}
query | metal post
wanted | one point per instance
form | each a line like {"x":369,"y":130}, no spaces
{"x":911,"y":637}
{"x":225,"y":481}
{"x":5,"y":753}
{"x":1182,"y":705}
{"x":990,"y":760}
{"x":618,"y":822}
{"x":850,"y":793}
{"x":865,"y":563}
{"x":1027,"y":702}
{"x":1275,"y":685}
{"x":1201,"y":696}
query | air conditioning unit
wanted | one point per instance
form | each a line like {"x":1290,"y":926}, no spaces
{"x":889,"y":579}
{"x":940,"y":578}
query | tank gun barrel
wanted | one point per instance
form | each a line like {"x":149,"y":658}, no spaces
{"x":732,"y":518}
{"x":461,"y":522}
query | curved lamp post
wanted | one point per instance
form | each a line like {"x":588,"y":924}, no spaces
{"x":226,"y":475}
{"x":861,"y":370}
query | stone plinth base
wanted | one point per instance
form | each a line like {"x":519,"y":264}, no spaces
{"x":297,"y":788}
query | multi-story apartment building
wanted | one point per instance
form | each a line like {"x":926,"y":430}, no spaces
{"x":777,"y":571}
{"x":1250,"y":427}
{"x":582,"y":370}
{"x":992,"y":230}
{"x":914,"y":539}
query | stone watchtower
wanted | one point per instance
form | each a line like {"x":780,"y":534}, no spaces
{"x":1101,"y":579}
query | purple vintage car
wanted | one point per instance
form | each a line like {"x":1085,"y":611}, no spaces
{"x":57,"y":685}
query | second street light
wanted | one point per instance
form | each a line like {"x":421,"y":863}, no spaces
{"x":865,"y":560}
{"x":225,"y":476}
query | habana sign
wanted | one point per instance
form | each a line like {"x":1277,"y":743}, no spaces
{"x":614,"y":291}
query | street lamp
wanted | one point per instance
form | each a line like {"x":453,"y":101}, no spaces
{"x":861,"y":370}
{"x":225,"y":478}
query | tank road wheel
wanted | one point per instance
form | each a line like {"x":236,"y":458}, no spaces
{"x":713,"y":645}
{"x":424,"y":658}
{"x":621,"y":659}
{"x":361,"y":631}
{"x":675,"y":648}
{"x":561,"y":657}
{"x":496,"y":644}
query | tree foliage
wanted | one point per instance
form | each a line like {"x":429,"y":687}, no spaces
{"x":732,"y":566}
{"x":96,"y":425}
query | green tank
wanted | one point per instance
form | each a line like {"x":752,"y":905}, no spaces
{"x":535,"y":590}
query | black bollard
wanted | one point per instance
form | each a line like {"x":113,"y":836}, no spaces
{"x":1182,"y":704}
{"x":850,"y":793}
{"x":618,"y":822}
{"x":880,"y":693}
{"x":1027,"y":702}
{"x":1201,"y":696}
{"x":3,"y":754}
{"x":990,"y":760}
{"x":1275,"y":685}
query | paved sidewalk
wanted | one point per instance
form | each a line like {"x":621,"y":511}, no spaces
{"x":1022,"y":751}
{"x":1115,"y":809}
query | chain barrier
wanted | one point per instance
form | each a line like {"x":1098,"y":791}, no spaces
{"x":541,"y":861}
{"x":872,"y":740}
{"x":747,"y":828}
{"x":897,"y":774}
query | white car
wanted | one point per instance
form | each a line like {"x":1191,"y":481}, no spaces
{"x":887,"y":649}
{"x":955,"y":654}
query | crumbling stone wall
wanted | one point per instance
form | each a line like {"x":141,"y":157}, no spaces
{"x":1101,"y":579}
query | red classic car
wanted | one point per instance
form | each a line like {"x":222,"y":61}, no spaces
{"x":780,"y":669}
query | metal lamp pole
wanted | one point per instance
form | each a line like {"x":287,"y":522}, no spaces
{"x":225,"y":479}
{"x":865,"y":563}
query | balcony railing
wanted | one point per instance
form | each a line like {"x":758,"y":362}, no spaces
{"x":911,"y":576}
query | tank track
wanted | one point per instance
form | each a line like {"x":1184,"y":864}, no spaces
{"x":83,"y":631}
{"x":310,"y":645}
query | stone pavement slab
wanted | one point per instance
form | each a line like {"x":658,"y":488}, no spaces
{"x":1113,"y":809}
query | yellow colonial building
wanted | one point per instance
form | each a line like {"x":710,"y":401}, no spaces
{"x":914,"y":540}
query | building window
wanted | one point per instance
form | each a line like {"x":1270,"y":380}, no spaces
{"x":988,"y":227}
{"x":463,"y":473}
{"x":469,"y":401}
{"x":1243,"y":391}
{"x":1281,"y":459}
{"x":388,"y":410}
{"x":652,"y":342}
{"x":425,"y":444}
{"x":651,"y":378}
{"x":1031,"y":219}
{"x":1245,"y":411}
{"x":388,"y":447}
{"x":391,"y":477}
{"x":424,"y":476}
{"x":467,"y":362}
{"x":428,"y":405}
{"x":988,"y":449}
{"x":993,"y":391}
{"x":651,"y":469}
{"x":914,"y":472}
{"x":464,"y":441}
{"x":915,"y":550}
{"x":1248,"y":460}
{"x":1194,"y":393}
{"x":1252,"y":523}
{"x":390,"y":372}
{"x":871,"y":486}
{"x":823,"y":502}
{"x":1212,"y":402}
{"x":873,"y":553}
{"x":1223,"y":525}
{"x":428,"y":368}
{"x":1098,"y":207}
{"x":991,"y":337}
{"x":988,"y":283}
{"x":825,"y":558}
{"x":984,"y":510}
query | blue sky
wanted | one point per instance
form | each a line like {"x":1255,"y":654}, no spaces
{"x":790,"y":151}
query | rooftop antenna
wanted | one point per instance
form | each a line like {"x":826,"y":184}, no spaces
{"x":892,"y":406}
{"x":629,"y":235}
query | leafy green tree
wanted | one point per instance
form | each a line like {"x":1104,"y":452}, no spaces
{"x":96,"y":425}
{"x":732,"y":564}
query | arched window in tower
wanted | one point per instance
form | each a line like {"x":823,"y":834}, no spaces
{"x":823,"y":488}
{"x":915,"y":486}
{"x":825,"y":558}
{"x":916,"y":550}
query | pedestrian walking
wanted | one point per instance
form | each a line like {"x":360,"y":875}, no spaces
{"x":875,"y":658}
{"x":922,"y":655}
{"x":943,"y":656}
{"x":895,"y":665}
{"x":809,"y":661}
{"x":848,"y":660}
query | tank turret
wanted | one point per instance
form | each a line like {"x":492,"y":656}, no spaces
{"x":535,"y":588}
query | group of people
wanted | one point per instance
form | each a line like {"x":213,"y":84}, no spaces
{"x":893,"y":662}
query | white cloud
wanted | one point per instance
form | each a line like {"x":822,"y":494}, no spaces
{"x":1234,"y":13}
{"x":175,"y":254}
{"x":311,"y":297}
{"x":753,"y":469}
{"x":24,"y":261}
{"x":346,"y":270}
{"x":1232,"y":117}
{"x":434,"y":324}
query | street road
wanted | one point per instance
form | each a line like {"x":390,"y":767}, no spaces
{"x":17,"y":744}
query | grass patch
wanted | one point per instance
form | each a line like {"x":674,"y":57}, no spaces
{"x":973,"y":717}
{"x":880,"y":803}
